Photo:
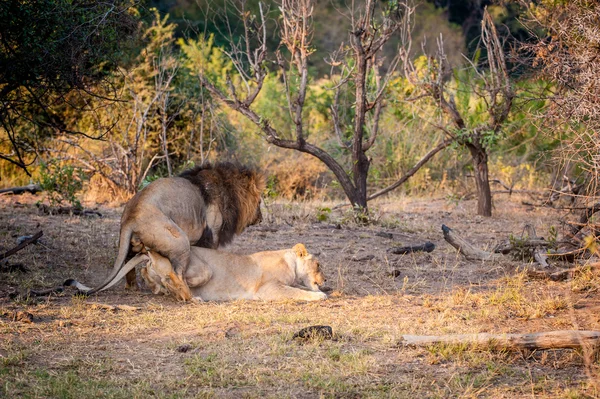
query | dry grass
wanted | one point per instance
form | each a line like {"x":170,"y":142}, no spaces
{"x":245,"y":349}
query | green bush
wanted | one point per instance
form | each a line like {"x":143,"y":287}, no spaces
{"x":62,"y":183}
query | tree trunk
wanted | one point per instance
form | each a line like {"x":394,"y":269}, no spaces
{"x":480,"y":168}
{"x":361,"y":171}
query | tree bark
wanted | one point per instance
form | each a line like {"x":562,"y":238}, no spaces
{"x":482,"y":180}
{"x":360,"y":167}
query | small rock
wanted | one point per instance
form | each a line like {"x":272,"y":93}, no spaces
{"x":395,"y":273}
{"x":64,"y":323}
{"x":184,"y":348}
{"x":24,"y":317}
{"x":363,"y":258}
{"x":315,"y":332}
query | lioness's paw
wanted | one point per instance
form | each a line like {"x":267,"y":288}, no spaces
{"x":320,"y":296}
{"x":196,"y":300}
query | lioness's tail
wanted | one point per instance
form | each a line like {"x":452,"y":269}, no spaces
{"x":124,"y":242}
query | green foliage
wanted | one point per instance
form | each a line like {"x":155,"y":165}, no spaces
{"x":59,"y":44}
{"x":49,"y":51}
{"x":199,"y":128}
{"x":62,"y":182}
{"x":553,"y":236}
{"x":521,"y":251}
{"x":323,"y":214}
{"x":271,"y":188}
{"x":201,"y":56}
{"x":149,"y":179}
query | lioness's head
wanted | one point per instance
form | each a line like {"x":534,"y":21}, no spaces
{"x":308,"y":270}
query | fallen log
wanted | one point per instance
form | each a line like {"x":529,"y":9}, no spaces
{"x":566,"y":339}
{"x":30,"y":188}
{"x":22,"y":245}
{"x":467,"y":250}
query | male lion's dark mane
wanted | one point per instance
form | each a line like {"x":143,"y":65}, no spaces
{"x":235,"y":189}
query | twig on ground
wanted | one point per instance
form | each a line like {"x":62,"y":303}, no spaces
{"x":22,"y":245}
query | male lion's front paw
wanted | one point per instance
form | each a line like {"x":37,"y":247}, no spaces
{"x":179,"y":288}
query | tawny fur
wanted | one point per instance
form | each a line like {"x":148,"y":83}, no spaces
{"x":214,"y":275}
{"x":205,"y":206}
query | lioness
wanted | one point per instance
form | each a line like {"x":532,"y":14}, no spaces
{"x":205,"y":206}
{"x":220,"y":276}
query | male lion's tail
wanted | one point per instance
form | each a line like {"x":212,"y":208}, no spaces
{"x":124,"y":242}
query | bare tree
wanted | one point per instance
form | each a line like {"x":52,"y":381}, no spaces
{"x":362,"y":75}
{"x":53,"y":61}
{"x":493,"y":88}
{"x":568,"y":53}
{"x":139,"y":137}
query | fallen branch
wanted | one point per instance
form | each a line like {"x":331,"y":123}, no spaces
{"x":467,"y":250}
{"x":22,"y":245}
{"x":30,"y":188}
{"x":46,"y":292}
{"x":556,"y":276}
{"x":506,"y":247}
{"x":543,"y":340}
{"x":427,"y":247}
{"x":584,"y":219}
{"x":67,"y":211}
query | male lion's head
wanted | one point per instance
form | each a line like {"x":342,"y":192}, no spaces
{"x":308,"y":270}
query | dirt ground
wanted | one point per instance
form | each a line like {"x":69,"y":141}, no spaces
{"x":72,"y":347}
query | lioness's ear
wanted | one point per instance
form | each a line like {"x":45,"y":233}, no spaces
{"x":300,"y":250}
{"x":152,"y":256}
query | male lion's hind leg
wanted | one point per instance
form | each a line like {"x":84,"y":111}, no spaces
{"x":131,"y":278}
{"x":133,"y":281}
{"x":277,"y":291}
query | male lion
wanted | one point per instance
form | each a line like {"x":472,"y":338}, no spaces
{"x":204,"y":206}
{"x":220,"y":276}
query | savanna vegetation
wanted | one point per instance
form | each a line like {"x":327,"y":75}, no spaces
{"x":375,"y":122}
{"x":167,"y":87}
